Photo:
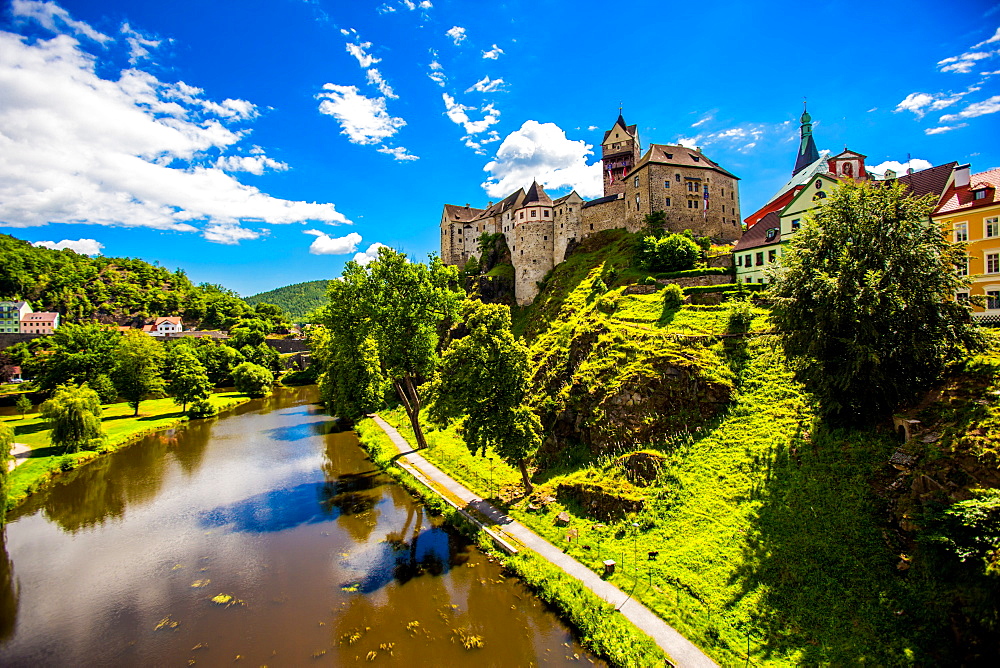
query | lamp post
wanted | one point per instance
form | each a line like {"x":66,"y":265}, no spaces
{"x":635,"y":548}
{"x":491,"y":475}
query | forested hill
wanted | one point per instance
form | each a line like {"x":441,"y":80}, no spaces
{"x":297,"y":300}
{"x":125,"y":291}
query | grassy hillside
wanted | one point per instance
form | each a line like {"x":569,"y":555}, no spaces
{"x":297,"y":300}
{"x":108,"y":289}
{"x":731,"y":511}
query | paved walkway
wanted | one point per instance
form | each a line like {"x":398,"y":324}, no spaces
{"x":681,"y":651}
{"x":18,"y":453}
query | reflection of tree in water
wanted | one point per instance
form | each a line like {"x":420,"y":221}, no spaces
{"x":354,"y":485}
{"x":191,"y":445}
{"x":102,"y":489}
{"x":9,"y":593}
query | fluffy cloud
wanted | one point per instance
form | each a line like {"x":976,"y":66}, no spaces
{"x":988,"y":106}
{"x":742,"y":138}
{"x":397,"y":152}
{"x":493,"y":53}
{"x":369,"y":255}
{"x":917,"y":164}
{"x":324,"y":244}
{"x":457,"y":114}
{"x":541,"y":151}
{"x":128,"y":151}
{"x":486,"y":85}
{"x":995,"y":38}
{"x":964,"y":63}
{"x":375,"y":79}
{"x":138,"y":44}
{"x":254,"y":164}
{"x":53,"y":18}
{"x":363,"y":119}
{"x":457,"y":34}
{"x":81,"y":246}
{"x":359,"y":51}
{"x":437,"y":74}
{"x":944,"y":128}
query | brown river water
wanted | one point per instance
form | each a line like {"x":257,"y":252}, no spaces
{"x":325,"y":560}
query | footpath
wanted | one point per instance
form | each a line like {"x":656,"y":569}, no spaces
{"x":681,"y":651}
{"x":18,"y":453}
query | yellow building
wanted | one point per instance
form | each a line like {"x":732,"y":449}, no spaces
{"x":970,"y":212}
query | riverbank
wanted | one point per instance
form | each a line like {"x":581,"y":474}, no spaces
{"x":542,"y":566}
{"x":121,"y":429}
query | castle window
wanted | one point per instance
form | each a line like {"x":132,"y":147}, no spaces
{"x":591,"y":226}
{"x":961,"y":232}
{"x":666,"y":201}
{"x":534,"y":213}
{"x":695,"y":158}
{"x":669,"y":156}
{"x":546,"y":213}
{"x":746,"y":260}
{"x":677,"y":177}
{"x":690,"y":186}
{"x":571,"y":209}
{"x":992,"y":227}
{"x":666,"y":184}
{"x":545,"y":238}
{"x":739,"y":260}
{"x":697,"y":187}
{"x":521,"y":216}
{"x":560,"y":226}
{"x":722,"y":192}
{"x":637,"y":201}
{"x":759,"y":258}
{"x":979,"y":194}
{"x":522,"y":252}
{"x":636,"y":182}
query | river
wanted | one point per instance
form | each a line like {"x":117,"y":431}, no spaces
{"x":264,"y":537}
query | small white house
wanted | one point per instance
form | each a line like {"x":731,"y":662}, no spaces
{"x":167,"y":325}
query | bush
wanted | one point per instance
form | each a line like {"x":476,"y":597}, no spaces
{"x":648,"y":280}
{"x":673,"y":296}
{"x":253,"y":379}
{"x":739,"y":316}
{"x":202,"y":408}
{"x":105,"y":389}
{"x":673,"y":252}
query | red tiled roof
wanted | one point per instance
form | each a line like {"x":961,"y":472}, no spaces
{"x":461,"y":213}
{"x":45,"y":316}
{"x":682,"y":156}
{"x":536,"y":193}
{"x":928,"y":181}
{"x":756,"y":236}
{"x":776,"y":204}
{"x":172,"y":319}
{"x":962,"y":199}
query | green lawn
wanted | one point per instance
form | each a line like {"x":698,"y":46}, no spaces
{"x":120,"y":428}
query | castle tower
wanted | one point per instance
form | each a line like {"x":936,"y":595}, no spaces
{"x":620,"y":153}
{"x":807,"y":146}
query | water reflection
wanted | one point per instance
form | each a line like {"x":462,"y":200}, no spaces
{"x":9,"y":594}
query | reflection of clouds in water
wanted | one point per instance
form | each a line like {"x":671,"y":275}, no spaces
{"x":298,"y":432}
{"x":275,"y":510}
{"x":429,"y":553}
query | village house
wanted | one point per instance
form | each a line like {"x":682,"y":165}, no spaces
{"x":11,"y":314}
{"x":42,"y":322}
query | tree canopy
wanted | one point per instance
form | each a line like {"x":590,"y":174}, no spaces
{"x":139,"y":363}
{"x":864,"y":301}
{"x":253,"y":379}
{"x":385,"y":322}
{"x":187,"y":379}
{"x":74,"y":414}
{"x":73,"y":354}
{"x":484,"y":376}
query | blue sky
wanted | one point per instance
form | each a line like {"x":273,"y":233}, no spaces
{"x":257,"y":144}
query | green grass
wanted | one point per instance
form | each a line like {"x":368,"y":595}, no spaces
{"x":120,"y":429}
{"x":502,"y":271}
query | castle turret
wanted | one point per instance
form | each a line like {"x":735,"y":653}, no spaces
{"x":807,"y":146}
{"x":620,"y":153}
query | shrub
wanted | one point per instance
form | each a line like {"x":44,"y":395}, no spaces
{"x":739,"y":316}
{"x":648,"y":280}
{"x":673,"y":296}
{"x":202,"y":408}
{"x":673,"y":252}
{"x":253,"y":379}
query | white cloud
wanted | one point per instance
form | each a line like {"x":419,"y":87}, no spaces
{"x":493,"y":53}
{"x":384,"y":9}
{"x":369,"y":255}
{"x":541,"y":151}
{"x":255,"y":164}
{"x":132,"y":152}
{"x":437,"y":74}
{"x":742,"y":138}
{"x":457,"y":113}
{"x":49,"y":15}
{"x":995,"y":38}
{"x":363,"y":119}
{"x":690,"y":142}
{"x":409,"y":4}
{"x":988,"y":106}
{"x":591,"y":128}
{"x":398,"y":152}
{"x":965,"y":62}
{"x":375,"y":79}
{"x":138,"y":43}
{"x":486,"y":85}
{"x":457,"y":34}
{"x":81,"y":246}
{"x":921,"y":103}
{"x":944,"y":128}
{"x":324,"y":244}
{"x":358,"y":50}
{"x":703,"y":120}
{"x":917,"y":164}
{"x":426,"y":4}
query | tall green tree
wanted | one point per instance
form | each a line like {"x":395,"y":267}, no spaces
{"x":74,"y":415}
{"x":385,"y":323}
{"x":253,"y":379}
{"x":73,"y":354}
{"x":6,"y":441}
{"x":484,"y":375}
{"x":138,"y":368}
{"x":864,"y":301}
{"x":23,"y":405}
{"x":187,"y":380}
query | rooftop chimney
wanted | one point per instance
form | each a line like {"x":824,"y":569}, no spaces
{"x":962,"y":176}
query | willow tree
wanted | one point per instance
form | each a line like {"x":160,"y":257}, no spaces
{"x":484,"y":376}
{"x":74,"y":415}
{"x":864,"y":301}
{"x":385,"y":321}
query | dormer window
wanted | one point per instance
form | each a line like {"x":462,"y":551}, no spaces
{"x":979,"y":194}
{"x":695,"y":158}
{"x":669,"y":156}
{"x":771,"y":233}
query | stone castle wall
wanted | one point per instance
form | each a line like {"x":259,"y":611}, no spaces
{"x":604,"y":216}
{"x":720,"y":221}
{"x":531,"y":247}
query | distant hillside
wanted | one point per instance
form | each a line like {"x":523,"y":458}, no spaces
{"x":297,"y":300}
{"x":125,"y":291}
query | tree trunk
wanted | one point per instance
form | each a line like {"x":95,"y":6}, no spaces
{"x":411,"y":403}
{"x":528,"y":489}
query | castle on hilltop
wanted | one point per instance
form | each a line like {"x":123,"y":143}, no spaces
{"x":694,"y":192}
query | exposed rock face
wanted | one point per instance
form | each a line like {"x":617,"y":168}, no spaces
{"x":642,"y":468}
{"x":599,"y":501}
{"x":491,"y":289}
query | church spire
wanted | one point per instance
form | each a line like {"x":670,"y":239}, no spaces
{"x":807,"y":146}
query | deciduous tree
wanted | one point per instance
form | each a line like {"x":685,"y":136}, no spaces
{"x":864,"y":301}
{"x":74,"y":415}
{"x":253,"y":379}
{"x":187,"y":379}
{"x":6,"y":440}
{"x":23,"y":405}
{"x":484,"y":376}
{"x":139,"y":364}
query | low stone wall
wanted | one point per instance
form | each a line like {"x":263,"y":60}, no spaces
{"x":697,"y":281}
{"x":721,"y":260}
{"x":7,"y":340}
{"x":288,"y":345}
